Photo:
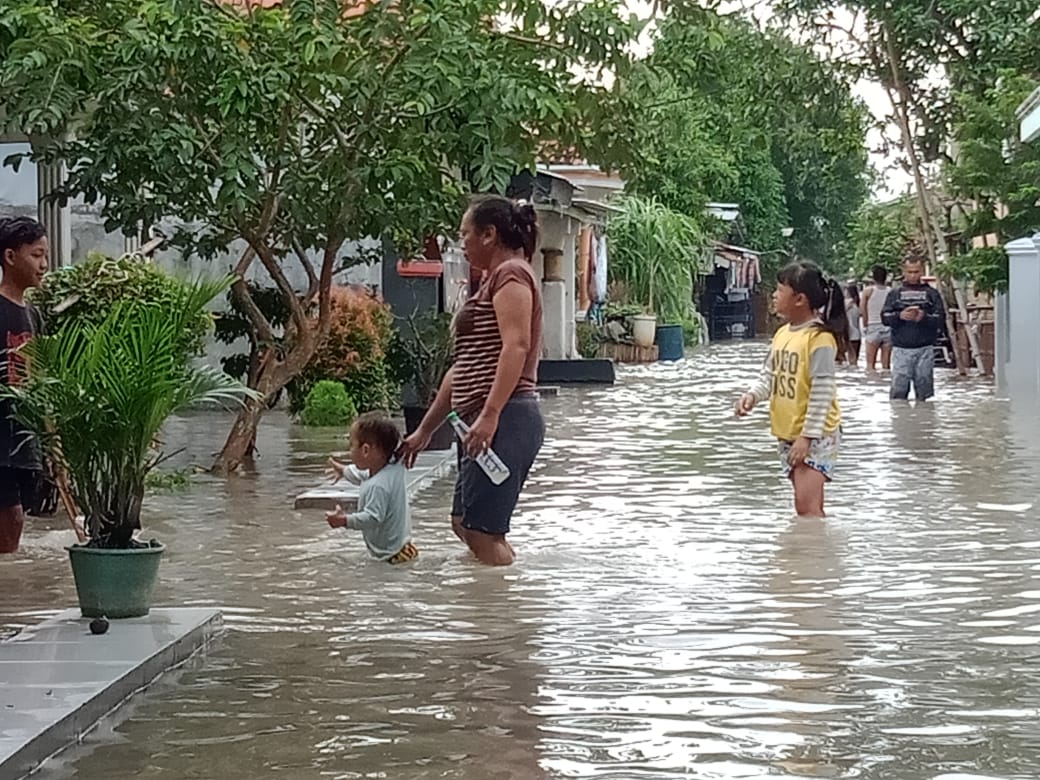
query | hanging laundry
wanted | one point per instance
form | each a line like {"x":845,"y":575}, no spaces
{"x":600,"y":276}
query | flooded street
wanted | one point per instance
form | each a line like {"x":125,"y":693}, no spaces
{"x":667,"y":617}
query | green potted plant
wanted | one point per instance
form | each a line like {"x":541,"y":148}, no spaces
{"x":420,"y":355}
{"x":654,"y":252}
{"x":96,"y":399}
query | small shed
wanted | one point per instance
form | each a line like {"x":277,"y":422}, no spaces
{"x":727,"y":299}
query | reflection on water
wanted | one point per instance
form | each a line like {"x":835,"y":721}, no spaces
{"x":667,"y":617}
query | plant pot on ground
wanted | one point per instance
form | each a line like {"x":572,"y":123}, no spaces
{"x":420,"y":356}
{"x":644,"y":329}
{"x":96,"y":398}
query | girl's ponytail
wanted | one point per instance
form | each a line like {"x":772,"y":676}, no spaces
{"x":835,"y":320}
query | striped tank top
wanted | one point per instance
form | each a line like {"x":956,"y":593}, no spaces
{"x":478,"y":341}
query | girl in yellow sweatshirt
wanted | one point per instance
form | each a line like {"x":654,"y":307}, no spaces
{"x":798,"y":378}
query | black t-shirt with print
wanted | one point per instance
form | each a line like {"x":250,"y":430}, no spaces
{"x":18,"y":324}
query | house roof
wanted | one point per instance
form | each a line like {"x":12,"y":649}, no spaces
{"x":586,"y":175}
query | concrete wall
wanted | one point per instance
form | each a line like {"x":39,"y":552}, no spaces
{"x":1021,"y":375}
{"x":559,"y":299}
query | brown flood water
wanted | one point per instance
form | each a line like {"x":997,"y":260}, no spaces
{"x":667,"y":617}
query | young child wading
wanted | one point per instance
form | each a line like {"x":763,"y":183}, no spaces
{"x":799,"y":380}
{"x":382,"y":511}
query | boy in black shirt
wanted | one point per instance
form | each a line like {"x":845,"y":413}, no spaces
{"x":24,"y":258}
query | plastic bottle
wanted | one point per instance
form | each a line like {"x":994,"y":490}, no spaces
{"x":489,"y":462}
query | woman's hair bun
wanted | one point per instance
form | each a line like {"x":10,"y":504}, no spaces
{"x":524,"y":214}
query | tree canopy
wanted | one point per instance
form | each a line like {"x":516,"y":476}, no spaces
{"x":291,"y":130}
{"x":731,"y":113}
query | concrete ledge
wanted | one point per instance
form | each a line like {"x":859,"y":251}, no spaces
{"x":60,"y":680}
{"x":570,"y":372}
{"x":430,"y":466}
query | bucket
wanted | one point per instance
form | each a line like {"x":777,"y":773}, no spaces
{"x":114,"y":583}
{"x":670,"y":342}
{"x":643,"y":326}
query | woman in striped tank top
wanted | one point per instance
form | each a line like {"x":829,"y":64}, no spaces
{"x":493,"y":382}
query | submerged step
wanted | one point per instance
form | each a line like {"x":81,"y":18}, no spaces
{"x":59,"y":679}
{"x":429,"y":467}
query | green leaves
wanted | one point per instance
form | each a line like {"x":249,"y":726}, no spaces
{"x":986,"y":268}
{"x":98,"y":396}
{"x":722,"y":111}
{"x":997,"y":175}
{"x":881,"y":234}
{"x":654,"y":254}
{"x":86,"y":293}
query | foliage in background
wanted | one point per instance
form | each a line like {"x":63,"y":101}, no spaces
{"x":654,"y":253}
{"x":98,"y":397}
{"x":420,"y":354}
{"x":881,"y":234}
{"x":168,"y":481}
{"x":296,"y":128}
{"x":85,"y":293}
{"x":692,"y":331}
{"x":354,"y":353}
{"x":934,"y":59}
{"x":996,"y":178}
{"x":722,"y":111}
{"x":328,"y":405}
{"x":924,"y":51}
{"x":589,"y":339}
{"x":986,"y":268}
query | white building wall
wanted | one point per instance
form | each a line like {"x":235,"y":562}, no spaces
{"x":1023,"y":320}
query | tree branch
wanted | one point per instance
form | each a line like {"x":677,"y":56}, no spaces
{"x":313,"y":284}
{"x":342,"y":137}
{"x":271,"y":265}
{"x":240,"y":291}
{"x":537,"y":42}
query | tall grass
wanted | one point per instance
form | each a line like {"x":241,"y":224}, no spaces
{"x":654,"y":254}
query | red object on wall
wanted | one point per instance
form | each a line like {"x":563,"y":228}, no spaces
{"x":423,"y":268}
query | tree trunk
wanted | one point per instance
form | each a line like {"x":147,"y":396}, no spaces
{"x":242,"y":438}
{"x":931,"y":227}
{"x":271,"y":377}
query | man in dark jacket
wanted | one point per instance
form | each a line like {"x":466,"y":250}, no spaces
{"x":915,"y":313}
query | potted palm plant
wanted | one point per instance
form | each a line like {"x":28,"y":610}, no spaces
{"x":96,"y":398}
{"x":420,"y":355}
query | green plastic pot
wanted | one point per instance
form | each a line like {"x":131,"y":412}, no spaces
{"x":114,"y":583}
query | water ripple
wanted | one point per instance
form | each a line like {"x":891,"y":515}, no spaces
{"x":667,"y":618}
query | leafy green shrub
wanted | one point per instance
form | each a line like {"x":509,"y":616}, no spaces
{"x":420,"y":354}
{"x":691,"y":331}
{"x":98,"y":396}
{"x":328,"y":405}
{"x":168,"y":481}
{"x":85,"y":294}
{"x":986,"y":267}
{"x":354,"y":354}
{"x":588,"y":336}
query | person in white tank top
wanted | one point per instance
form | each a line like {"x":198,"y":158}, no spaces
{"x":877,"y":335}
{"x":855,"y":318}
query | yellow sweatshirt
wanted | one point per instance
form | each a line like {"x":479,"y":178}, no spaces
{"x":799,"y":380}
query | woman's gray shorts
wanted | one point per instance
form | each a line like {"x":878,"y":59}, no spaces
{"x":483,"y":505}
